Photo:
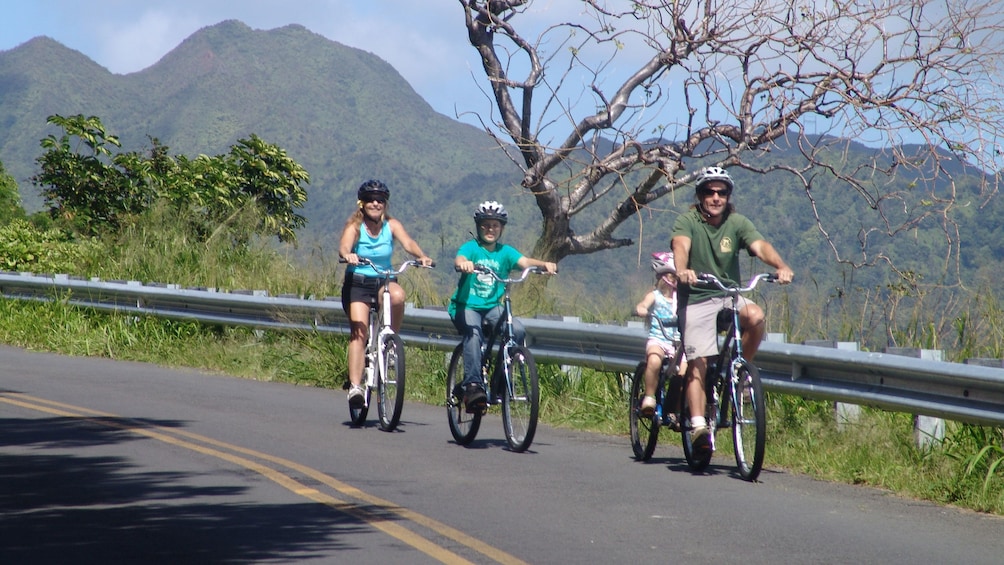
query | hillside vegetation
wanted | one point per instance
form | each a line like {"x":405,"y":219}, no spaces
{"x":346,"y":116}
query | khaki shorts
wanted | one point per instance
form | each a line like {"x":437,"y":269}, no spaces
{"x":700,"y":325}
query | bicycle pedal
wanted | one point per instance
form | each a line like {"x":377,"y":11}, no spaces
{"x":477,"y":409}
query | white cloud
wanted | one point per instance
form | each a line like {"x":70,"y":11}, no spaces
{"x":131,"y":47}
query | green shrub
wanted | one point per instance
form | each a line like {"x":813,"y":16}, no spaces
{"x":24,"y":248}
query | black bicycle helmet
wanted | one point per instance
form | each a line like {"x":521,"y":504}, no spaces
{"x":373,"y":189}
{"x":718,"y":174}
{"x":491,"y":210}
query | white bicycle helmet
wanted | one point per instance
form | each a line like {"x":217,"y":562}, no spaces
{"x":718,"y":174}
{"x":491,"y":210}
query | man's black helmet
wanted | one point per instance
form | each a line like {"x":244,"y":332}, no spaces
{"x":373,"y":189}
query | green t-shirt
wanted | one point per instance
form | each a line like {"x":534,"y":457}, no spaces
{"x":715,"y":250}
{"x":482,"y":292}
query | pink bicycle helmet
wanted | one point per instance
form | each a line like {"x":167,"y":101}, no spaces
{"x":662,"y":263}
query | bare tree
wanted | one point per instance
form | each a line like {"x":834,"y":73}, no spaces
{"x":723,"y":82}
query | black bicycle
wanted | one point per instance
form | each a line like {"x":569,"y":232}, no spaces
{"x":733,"y":390}
{"x":510,"y":378}
{"x":645,"y":429}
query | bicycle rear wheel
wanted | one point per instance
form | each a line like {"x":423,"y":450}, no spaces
{"x":644,"y":430}
{"x":390,"y":385}
{"x":697,"y":460}
{"x":463,"y":426}
{"x":749,"y":422}
{"x":522,"y":401}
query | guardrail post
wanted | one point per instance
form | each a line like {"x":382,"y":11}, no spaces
{"x":986,"y":362}
{"x":844,"y":413}
{"x":926,"y":429}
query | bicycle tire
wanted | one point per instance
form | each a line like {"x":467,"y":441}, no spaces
{"x":358,"y":415}
{"x":521,"y":401}
{"x":390,"y":386}
{"x":463,"y":426}
{"x":749,"y":422}
{"x":696,"y":461}
{"x":644,"y":430}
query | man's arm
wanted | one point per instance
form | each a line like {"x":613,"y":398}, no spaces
{"x":763,"y":250}
{"x":681,"y":259}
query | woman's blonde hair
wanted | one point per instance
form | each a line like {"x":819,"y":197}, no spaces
{"x":356,"y":219}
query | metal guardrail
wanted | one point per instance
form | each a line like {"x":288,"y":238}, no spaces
{"x":955,"y":391}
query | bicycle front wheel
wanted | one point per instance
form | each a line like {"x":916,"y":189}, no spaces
{"x":463,"y":426}
{"x":749,"y":417}
{"x":521,"y":401}
{"x":390,"y":385}
{"x":697,"y":460}
{"x":358,"y":415}
{"x":644,"y":430}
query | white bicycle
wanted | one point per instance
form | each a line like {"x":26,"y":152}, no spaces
{"x":384,"y":369}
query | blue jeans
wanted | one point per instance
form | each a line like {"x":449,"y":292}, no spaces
{"x":468,"y":322}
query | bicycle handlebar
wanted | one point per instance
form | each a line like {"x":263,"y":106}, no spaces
{"x":526,"y":272}
{"x":712,"y":281}
{"x":404,"y":266}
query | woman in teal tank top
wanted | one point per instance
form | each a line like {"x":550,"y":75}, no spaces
{"x":370,"y":233}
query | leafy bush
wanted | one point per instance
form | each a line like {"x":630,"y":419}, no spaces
{"x":24,"y":248}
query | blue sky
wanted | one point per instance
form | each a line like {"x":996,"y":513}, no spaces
{"x":424,"y":40}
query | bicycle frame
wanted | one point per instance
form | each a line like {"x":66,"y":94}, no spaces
{"x":380,"y":323}
{"x":379,"y":326}
{"x":497,"y":368}
{"x":733,"y":383}
{"x":730,"y":353}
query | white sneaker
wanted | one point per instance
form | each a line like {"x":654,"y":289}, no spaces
{"x":357,"y":396}
{"x":700,"y":439}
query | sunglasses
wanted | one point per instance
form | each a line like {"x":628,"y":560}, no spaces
{"x":723,"y":192}
{"x":375,"y":199}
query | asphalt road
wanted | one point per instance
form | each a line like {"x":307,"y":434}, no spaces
{"x":113,"y":462}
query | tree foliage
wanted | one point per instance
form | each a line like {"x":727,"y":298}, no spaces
{"x":727,"y":83}
{"x":92,"y":189}
{"x":10,"y":198}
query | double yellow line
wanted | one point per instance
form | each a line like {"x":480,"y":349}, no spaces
{"x":240,"y":456}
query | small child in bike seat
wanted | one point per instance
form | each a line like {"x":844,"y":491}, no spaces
{"x":659,"y":307}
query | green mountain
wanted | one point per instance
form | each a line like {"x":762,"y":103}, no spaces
{"x":348,"y":116}
{"x":343,"y":113}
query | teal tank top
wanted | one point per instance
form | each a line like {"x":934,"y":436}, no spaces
{"x":377,"y":249}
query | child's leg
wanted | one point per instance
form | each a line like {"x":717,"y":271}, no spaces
{"x":653,"y":355}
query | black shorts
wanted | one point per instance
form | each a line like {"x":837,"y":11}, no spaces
{"x":360,"y":288}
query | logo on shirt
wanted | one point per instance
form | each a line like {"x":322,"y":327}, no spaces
{"x":725,"y":245}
